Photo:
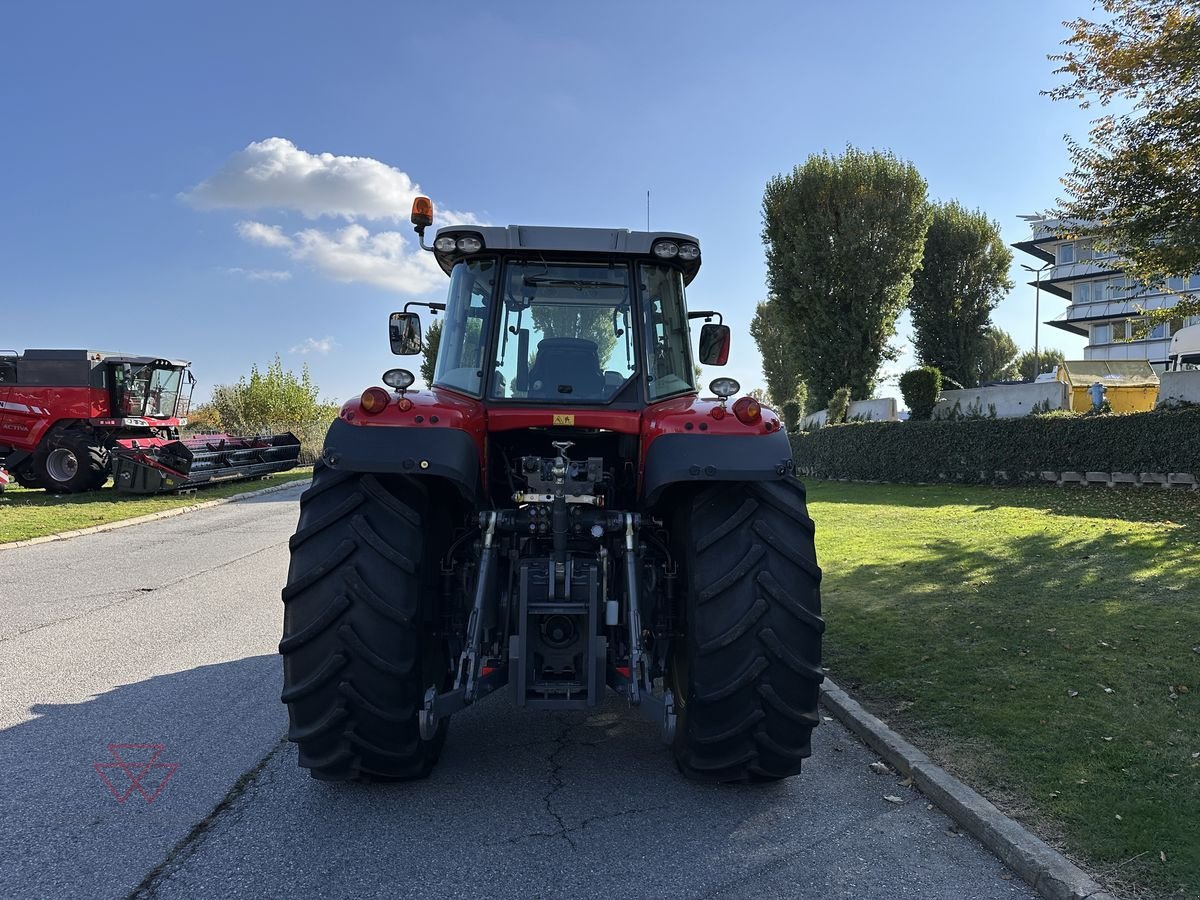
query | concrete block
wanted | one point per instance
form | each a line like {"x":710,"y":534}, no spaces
{"x":1182,"y":479}
{"x":1050,"y":476}
{"x":1097,"y":478}
{"x":1153,"y":478}
{"x":1124,"y":478}
{"x":1071,"y":478}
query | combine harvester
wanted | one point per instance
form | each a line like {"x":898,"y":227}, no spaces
{"x":71,"y":418}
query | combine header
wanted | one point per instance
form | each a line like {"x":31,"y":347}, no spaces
{"x":70,"y":418}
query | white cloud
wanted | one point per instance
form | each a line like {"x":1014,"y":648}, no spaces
{"x":276,"y":174}
{"x":315,"y":345}
{"x":267,"y":235}
{"x":261,"y":274}
{"x":385,"y":259}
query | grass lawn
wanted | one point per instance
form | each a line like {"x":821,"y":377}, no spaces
{"x":1044,"y":644}
{"x":26,"y":514}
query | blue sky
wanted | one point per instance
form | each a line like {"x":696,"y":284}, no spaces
{"x":163,"y":189}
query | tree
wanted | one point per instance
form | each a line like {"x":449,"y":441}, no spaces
{"x":429,"y":351}
{"x":963,"y":277}
{"x":760,"y":395}
{"x":998,"y":357}
{"x":839,"y":406}
{"x":1135,"y":186}
{"x":274,"y":401}
{"x":843,"y":236}
{"x":1047,"y":359}
{"x":204,"y":419}
{"x":919,"y":388}
{"x":780,"y":355}
{"x":591,"y":324}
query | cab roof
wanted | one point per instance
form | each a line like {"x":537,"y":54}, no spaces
{"x":562,"y":241}
{"x":101,"y":356}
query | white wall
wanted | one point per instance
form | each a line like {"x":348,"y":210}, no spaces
{"x":1010,"y":400}
{"x":1178,"y":387}
{"x":881,"y":410}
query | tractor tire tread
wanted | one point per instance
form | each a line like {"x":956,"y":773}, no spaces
{"x":328,"y":670}
{"x":327,"y":617}
{"x":753,"y":631}
{"x":354,"y":654}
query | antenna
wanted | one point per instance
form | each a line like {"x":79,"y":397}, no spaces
{"x":647,"y":210}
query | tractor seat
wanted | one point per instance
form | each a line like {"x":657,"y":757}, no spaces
{"x":566,"y":367}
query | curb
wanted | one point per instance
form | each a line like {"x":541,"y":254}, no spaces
{"x":149,"y":517}
{"x":1045,"y":869}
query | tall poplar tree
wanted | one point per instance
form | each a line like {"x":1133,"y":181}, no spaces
{"x":843,"y":235}
{"x":963,"y":276}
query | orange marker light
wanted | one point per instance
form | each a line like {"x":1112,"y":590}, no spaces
{"x":373,"y":401}
{"x":747,"y":410}
{"x":422,"y":212}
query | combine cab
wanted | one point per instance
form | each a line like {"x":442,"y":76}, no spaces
{"x":561,"y":514}
{"x":70,"y":418}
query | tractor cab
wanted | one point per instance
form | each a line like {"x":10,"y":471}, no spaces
{"x":141,"y":388}
{"x":574,"y":316}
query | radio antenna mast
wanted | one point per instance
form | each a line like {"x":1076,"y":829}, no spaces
{"x":647,"y":210}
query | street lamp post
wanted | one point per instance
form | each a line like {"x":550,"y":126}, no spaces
{"x":1037,"y":315}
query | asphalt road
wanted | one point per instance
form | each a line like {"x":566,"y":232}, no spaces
{"x":163,"y":635}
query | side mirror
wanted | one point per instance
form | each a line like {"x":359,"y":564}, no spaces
{"x":404,"y":333}
{"x":714,"y":345}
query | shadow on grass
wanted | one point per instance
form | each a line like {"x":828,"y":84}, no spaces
{"x":1044,"y":669}
{"x":1129,"y":504}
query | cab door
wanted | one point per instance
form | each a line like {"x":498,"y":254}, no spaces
{"x":9,"y":425}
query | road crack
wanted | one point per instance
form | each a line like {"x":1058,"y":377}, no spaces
{"x":194,"y":839}
{"x":556,"y":781}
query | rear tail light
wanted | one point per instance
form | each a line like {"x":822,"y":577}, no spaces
{"x":373,"y":401}
{"x":747,"y":410}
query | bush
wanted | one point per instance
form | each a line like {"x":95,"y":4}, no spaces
{"x":791,"y":415}
{"x":1005,"y":450}
{"x":275,"y":401}
{"x":839,"y":405}
{"x":919,"y":388}
{"x":203,"y":419}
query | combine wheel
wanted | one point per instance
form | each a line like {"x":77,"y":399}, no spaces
{"x":23,"y":474}
{"x":69,"y":462}
{"x":356,"y":659}
{"x":747,"y":676}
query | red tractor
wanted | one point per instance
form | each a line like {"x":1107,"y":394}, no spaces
{"x":71,"y":418}
{"x":559,"y":513}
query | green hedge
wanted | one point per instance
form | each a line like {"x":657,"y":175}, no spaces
{"x":986,"y":450}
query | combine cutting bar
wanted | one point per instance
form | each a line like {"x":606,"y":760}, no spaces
{"x":155,"y":466}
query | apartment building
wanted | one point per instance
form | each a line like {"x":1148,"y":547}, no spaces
{"x":1102,"y":303}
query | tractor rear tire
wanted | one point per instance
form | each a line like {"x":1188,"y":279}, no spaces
{"x":356,"y":656}
{"x":747,"y":678}
{"x":70,"y":462}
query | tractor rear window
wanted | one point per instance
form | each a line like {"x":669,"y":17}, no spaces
{"x":565,"y":333}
